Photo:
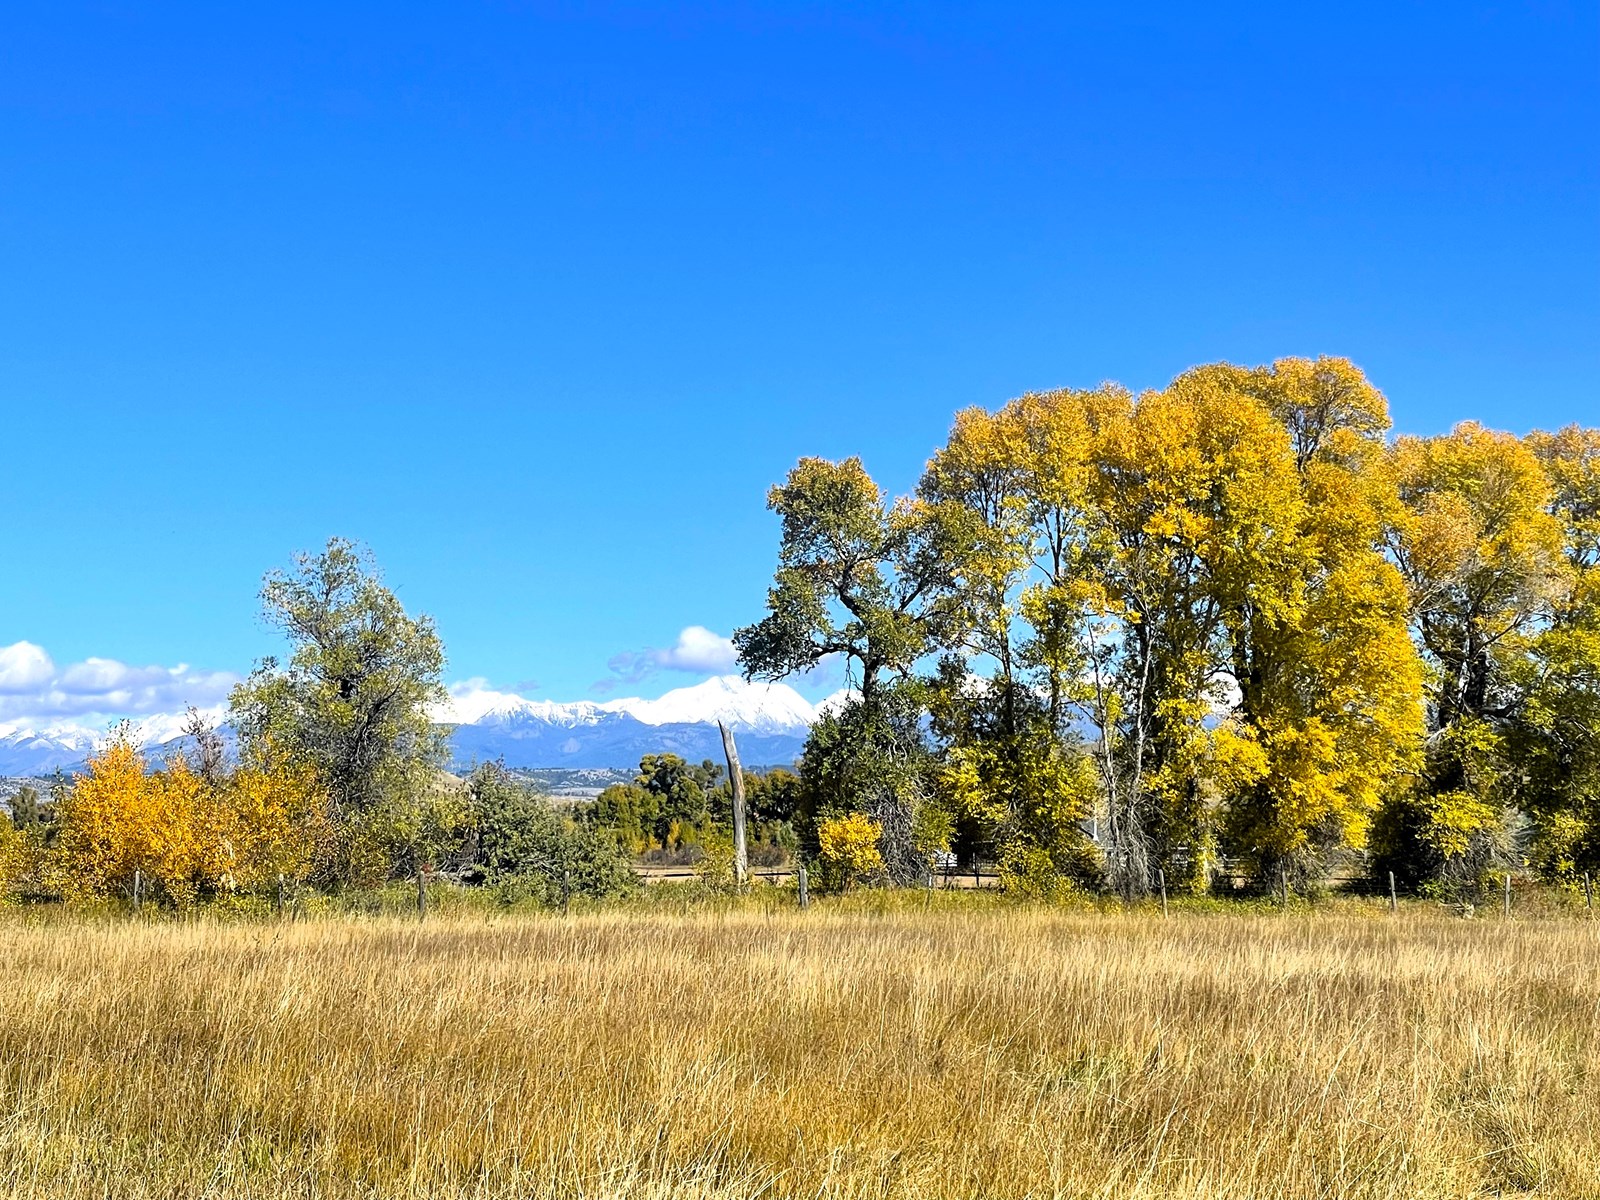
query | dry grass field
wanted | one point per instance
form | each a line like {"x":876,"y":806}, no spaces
{"x":841,"y":1052}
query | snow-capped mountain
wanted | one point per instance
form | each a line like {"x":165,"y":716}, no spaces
{"x":38,"y":752}
{"x":770,"y":719}
{"x":67,"y":747}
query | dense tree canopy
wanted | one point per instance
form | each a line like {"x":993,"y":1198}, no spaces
{"x":1133,"y":636}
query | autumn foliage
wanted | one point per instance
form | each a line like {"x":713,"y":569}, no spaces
{"x":1228,"y":621}
{"x":187,"y":837}
{"x":1226,"y":629}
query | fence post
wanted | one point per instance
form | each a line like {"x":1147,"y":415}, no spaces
{"x":1283,"y":875}
{"x":1588,"y":894}
{"x":805,"y":891}
{"x":422,"y":895}
{"x":977,"y":879}
{"x":566,"y":888}
{"x":138,"y":888}
{"x":280,"y":894}
{"x":1394,"y":901}
{"x":1161,"y":878}
{"x":1508,"y":893}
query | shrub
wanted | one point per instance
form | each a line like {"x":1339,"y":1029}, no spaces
{"x":849,"y":850}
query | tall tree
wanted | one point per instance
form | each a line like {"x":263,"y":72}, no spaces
{"x":875,"y":584}
{"x":857,"y":577}
{"x":1482,"y":555}
{"x":352,"y":702}
{"x":1328,"y":683}
{"x":1199,"y":576}
{"x":1554,"y":734}
{"x":1014,"y":778}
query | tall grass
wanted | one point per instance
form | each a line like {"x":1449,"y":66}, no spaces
{"x":840,"y":1052}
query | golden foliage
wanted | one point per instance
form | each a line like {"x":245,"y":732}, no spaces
{"x":185,"y":836}
{"x":1201,"y":572}
{"x":849,"y":847}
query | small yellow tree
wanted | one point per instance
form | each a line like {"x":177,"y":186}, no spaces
{"x":276,"y":820}
{"x":850,"y":847}
{"x":119,"y":819}
{"x":186,"y":835}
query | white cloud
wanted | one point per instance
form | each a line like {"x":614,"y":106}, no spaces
{"x":23,"y":668}
{"x":34,"y":691}
{"x":698,"y":651}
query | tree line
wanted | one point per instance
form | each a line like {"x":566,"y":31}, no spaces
{"x":1110,"y":639}
{"x":338,"y":781}
{"x":1113,"y":638}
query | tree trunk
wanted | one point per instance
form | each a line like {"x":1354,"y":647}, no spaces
{"x":741,"y":858}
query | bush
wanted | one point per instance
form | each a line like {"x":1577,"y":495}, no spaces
{"x":849,"y":851}
{"x":521,"y":845}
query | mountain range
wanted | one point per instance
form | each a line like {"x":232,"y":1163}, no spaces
{"x":771,"y":721}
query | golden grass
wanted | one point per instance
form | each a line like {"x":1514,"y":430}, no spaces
{"x":834,"y":1053}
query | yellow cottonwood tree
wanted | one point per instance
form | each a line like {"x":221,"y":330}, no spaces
{"x":1554,"y":731}
{"x":1200,"y":573}
{"x":119,"y":818}
{"x":1330,"y":685}
{"x":1482,"y":556}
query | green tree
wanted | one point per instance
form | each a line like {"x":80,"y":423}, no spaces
{"x":871,"y":757}
{"x":627,"y":813}
{"x":522,"y":845}
{"x":876,"y":584}
{"x":29,"y":814}
{"x":681,"y":791}
{"x":857,"y":577}
{"x":351,"y":703}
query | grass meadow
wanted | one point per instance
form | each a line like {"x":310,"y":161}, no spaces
{"x":862,"y":1048}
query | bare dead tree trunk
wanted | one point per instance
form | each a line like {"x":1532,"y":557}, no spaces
{"x":741,"y":858}
{"x":207,"y":752}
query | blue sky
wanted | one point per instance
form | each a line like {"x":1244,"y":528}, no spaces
{"x":538,"y":299}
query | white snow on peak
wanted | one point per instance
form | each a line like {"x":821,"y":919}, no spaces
{"x":474,"y":702}
{"x":731,"y":699}
{"x":742,"y":705}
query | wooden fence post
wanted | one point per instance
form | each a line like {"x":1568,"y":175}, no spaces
{"x":279,"y":904}
{"x":138,"y":889}
{"x":741,"y":856}
{"x":422,"y":895}
{"x":805,"y":891}
{"x":1161,"y":878}
{"x":1508,"y":893}
{"x":1283,"y":874}
{"x":1588,"y":894}
{"x":1394,"y":901}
